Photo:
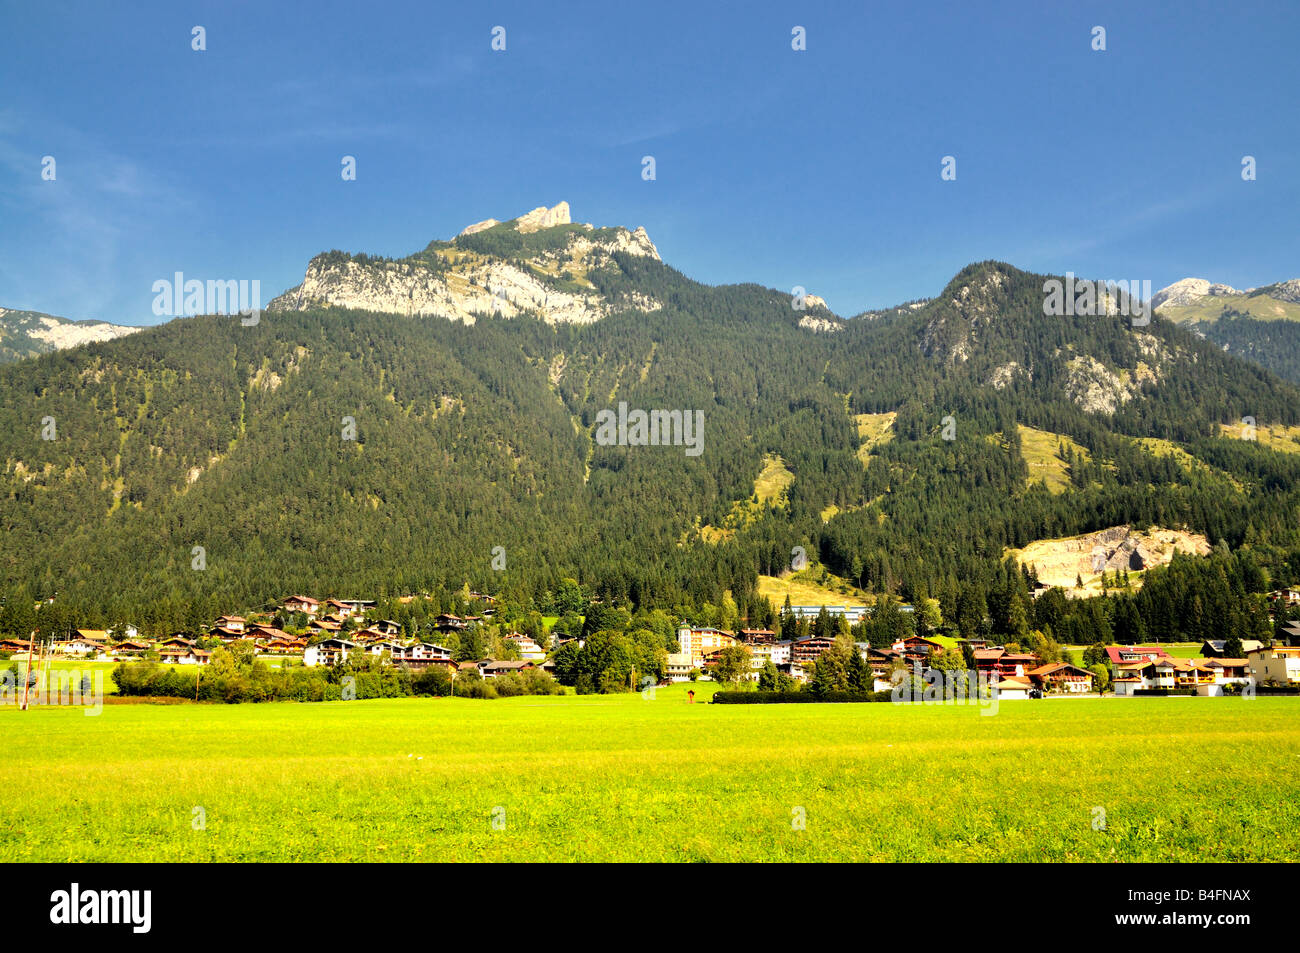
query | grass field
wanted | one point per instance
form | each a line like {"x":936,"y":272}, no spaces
{"x":804,"y":590}
{"x":625,"y":778}
{"x":80,"y":666}
{"x":1210,"y":308}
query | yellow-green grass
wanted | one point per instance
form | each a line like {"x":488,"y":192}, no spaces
{"x":773,"y":481}
{"x":874,"y":430}
{"x":1261,"y":307}
{"x":626,"y":778}
{"x":1160,"y":447}
{"x":1040,"y":450}
{"x":68,"y":667}
{"x":1274,"y":436}
{"x":769,"y":488}
{"x":804,"y":590}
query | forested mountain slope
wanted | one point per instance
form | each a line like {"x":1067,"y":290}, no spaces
{"x":208,"y":433}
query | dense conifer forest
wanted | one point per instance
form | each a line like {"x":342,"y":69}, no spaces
{"x":205,"y":466}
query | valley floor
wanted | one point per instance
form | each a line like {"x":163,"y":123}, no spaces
{"x":629,"y":778}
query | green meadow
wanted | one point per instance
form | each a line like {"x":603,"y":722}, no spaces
{"x":627,"y":778}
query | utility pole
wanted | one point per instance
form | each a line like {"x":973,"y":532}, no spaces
{"x":27,"y":674}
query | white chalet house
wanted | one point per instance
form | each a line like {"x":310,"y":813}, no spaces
{"x":327,"y":652}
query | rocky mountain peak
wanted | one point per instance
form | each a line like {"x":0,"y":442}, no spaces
{"x":501,"y":272}
{"x":534,"y":221}
{"x":543,"y":217}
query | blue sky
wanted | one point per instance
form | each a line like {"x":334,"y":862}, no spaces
{"x":818,"y":168}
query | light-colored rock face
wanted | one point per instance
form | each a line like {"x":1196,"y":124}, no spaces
{"x":472,"y":292}
{"x":1286,"y":291}
{"x":1006,"y":374}
{"x":61,"y":334}
{"x":543,"y":217}
{"x":821,"y":325}
{"x":534,"y":221}
{"x":1181,"y":293}
{"x":552,"y":284}
{"x":1060,"y":562}
{"x":479,"y":226}
{"x":48,"y":333}
{"x":952,"y":336}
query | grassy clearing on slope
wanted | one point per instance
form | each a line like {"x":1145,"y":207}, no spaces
{"x":769,"y":490}
{"x":774,"y":479}
{"x":1041,"y":452}
{"x":874,"y":430}
{"x":1274,"y":436}
{"x":626,"y":778}
{"x":1260,"y":307}
{"x":810,"y":588}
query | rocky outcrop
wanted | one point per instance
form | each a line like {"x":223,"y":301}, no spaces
{"x":30,"y":332}
{"x":1190,"y":291}
{"x":1061,"y":562}
{"x":960,"y":320}
{"x":820,"y":325}
{"x":479,"y":226}
{"x":543,"y":217}
{"x":1288,"y":291}
{"x":462,"y":284}
{"x":1006,"y":374}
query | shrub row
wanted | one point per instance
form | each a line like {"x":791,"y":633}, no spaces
{"x":1164,"y":691}
{"x":257,"y":682}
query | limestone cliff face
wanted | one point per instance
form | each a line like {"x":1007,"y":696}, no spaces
{"x":461,"y":282}
{"x":1190,"y":291}
{"x":27,"y":333}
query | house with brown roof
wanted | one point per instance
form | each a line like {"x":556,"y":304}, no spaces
{"x":996,"y":663}
{"x":305,"y":604}
{"x":1215,"y":673}
{"x":1062,"y":677}
{"x":183,"y":655}
{"x":129,"y":647}
{"x":917,"y":648}
{"x":494,"y":668}
{"x":809,"y":650}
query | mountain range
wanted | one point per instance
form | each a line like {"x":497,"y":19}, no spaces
{"x":1261,"y":325}
{"x":394,"y":425}
{"x":28,"y":333}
